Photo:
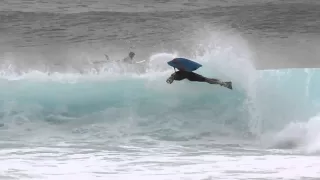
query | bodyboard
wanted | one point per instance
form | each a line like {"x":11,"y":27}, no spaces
{"x":184,"y":64}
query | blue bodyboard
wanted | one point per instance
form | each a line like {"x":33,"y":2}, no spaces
{"x":184,"y":64}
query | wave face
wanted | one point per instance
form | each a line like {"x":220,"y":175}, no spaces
{"x":122,"y":104}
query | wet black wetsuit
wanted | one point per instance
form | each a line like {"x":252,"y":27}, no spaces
{"x":191,"y":76}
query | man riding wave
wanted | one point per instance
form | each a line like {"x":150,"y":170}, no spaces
{"x":191,"y":76}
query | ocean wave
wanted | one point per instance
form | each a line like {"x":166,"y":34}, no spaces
{"x":262,"y":101}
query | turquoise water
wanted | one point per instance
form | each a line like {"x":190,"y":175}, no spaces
{"x":274,"y":99}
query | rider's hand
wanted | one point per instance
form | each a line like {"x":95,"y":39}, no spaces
{"x":170,"y":80}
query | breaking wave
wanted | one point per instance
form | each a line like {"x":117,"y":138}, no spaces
{"x":282,"y":103}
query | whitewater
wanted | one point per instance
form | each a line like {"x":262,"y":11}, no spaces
{"x":63,"y":117}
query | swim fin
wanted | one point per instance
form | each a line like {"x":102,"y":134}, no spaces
{"x":227,"y":85}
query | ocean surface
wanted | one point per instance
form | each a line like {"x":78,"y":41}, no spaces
{"x":63,"y":115}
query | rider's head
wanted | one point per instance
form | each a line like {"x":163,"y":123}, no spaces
{"x":131,"y":55}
